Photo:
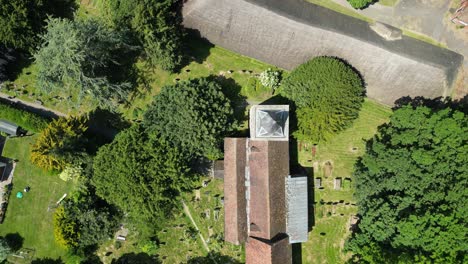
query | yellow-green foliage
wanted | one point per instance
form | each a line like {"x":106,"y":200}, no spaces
{"x":57,"y":143}
{"x":71,"y":173}
{"x":65,"y":231}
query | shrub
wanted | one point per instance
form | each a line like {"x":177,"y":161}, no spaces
{"x":328,"y":95}
{"x":65,"y":231}
{"x":360,"y":4}
{"x":71,"y":173}
{"x":22,"y":118}
{"x":270,"y":78}
{"x":60,"y":144}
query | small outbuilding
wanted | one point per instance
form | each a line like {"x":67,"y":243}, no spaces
{"x":9,"y":128}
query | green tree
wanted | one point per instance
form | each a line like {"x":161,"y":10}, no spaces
{"x":193,"y":116}
{"x":360,"y":4}
{"x":328,"y":95}
{"x":86,"y":58}
{"x":21,"y":21}
{"x":411,"y":189}
{"x":65,"y":229}
{"x":61,"y":143}
{"x":5,"y":250}
{"x":157,"y":23}
{"x":142,"y":176}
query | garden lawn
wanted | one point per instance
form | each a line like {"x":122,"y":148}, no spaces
{"x":29,"y":216}
{"x":332,"y":215}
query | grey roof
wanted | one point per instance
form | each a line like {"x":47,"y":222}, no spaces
{"x":269,"y":122}
{"x":297,"y":213}
{"x":8,"y":127}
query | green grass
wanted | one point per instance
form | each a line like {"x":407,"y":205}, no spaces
{"x":29,"y":216}
{"x":424,"y":38}
{"x":340,"y":9}
{"x":327,"y":247}
{"x":205,"y":60}
{"x":389,"y":2}
{"x":176,"y":245}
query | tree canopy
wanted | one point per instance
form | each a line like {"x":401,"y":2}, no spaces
{"x":21,"y":21}
{"x":411,"y":189}
{"x":60,"y":144}
{"x":86,"y":58}
{"x":142,"y":176}
{"x":157,"y":23}
{"x":328,"y":95}
{"x":5,"y":250}
{"x":193,"y":116}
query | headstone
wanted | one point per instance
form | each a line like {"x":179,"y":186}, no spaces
{"x":216,"y":214}
{"x":197,"y":195}
{"x":318,"y":182}
{"x":210,"y":231}
{"x":207,"y":213}
{"x":337,"y":184}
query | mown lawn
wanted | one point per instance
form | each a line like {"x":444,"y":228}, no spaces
{"x":29,"y":216}
{"x":333,"y":208}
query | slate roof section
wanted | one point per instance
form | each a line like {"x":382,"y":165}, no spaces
{"x":268,"y":163}
{"x":276,"y":251}
{"x":296,"y":208}
{"x":235,"y":214}
{"x":269,"y":122}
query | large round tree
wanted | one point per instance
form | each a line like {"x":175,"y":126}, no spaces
{"x":328,"y":95}
{"x":193,"y":116}
{"x":141,"y":176}
{"x":411,"y":189}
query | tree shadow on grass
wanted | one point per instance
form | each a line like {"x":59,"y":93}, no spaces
{"x":15,"y":241}
{"x":433,"y":103}
{"x":48,"y":261}
{"x":197,"y":48}
{"x":134,"y":258}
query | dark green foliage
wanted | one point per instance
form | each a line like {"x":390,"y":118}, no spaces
{"x":134,"y":258}
{"x":142,"y":176}
{"x":22,"y":118}
{"x":328,"y":95}
{"x":157,"y":23}
{"x":193,"y":116}
{"x":360,"y":4}
{"x":86,"y":58}
{"x":62,"y":143}
{"x":5,"y":250}
{"x":412,"y":188}
{"x":22,"y":20}
{"x":95,"y":220}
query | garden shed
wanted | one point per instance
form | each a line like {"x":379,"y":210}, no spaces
{"x":9,"y":128}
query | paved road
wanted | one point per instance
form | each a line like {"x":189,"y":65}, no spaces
{"x":427,"y":17}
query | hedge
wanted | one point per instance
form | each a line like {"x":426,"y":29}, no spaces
{"x":22,"y":118}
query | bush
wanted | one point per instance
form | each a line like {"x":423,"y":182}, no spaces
{"x":328,"y":95}
{"x":61,"y":144}
{"x":71,"y":173}
{"x":22,"y":118}
{"x":360,"y":4}
{"x":255,"y":89}
{"x":270,"y":78}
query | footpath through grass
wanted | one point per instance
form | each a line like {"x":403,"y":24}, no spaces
{"x":29,"y":216}
{"x":333,"y":208}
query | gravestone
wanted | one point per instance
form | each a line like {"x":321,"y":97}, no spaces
{"x":337,"y":184}
{"x":197,"y":195}
{"x":207,"y":214}
{"x":318,"y":183}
